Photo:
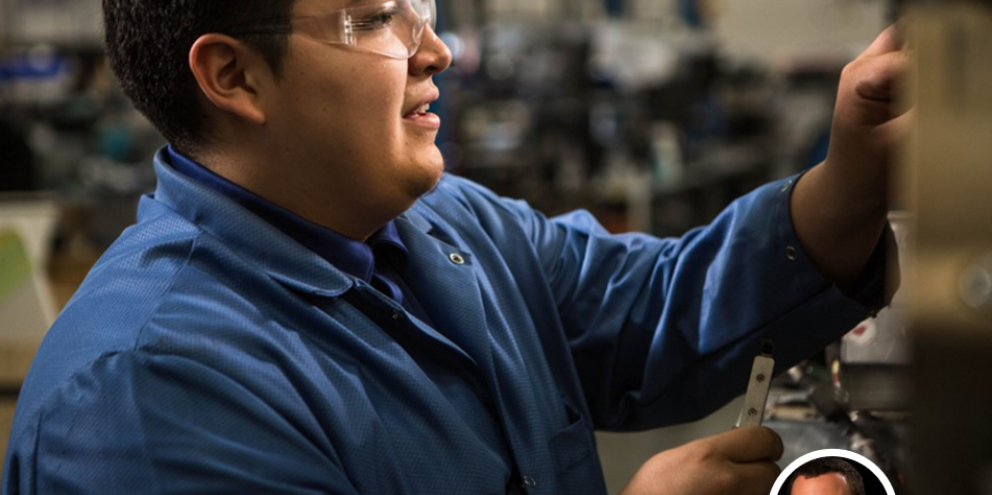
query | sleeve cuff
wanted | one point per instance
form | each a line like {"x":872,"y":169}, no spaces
{"x":876,"y":286}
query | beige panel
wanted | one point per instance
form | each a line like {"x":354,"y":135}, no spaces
{"x":950,"y":179}
{"x":15,"y":359}
{"x":6,"y":421}
{"x":950,"y":185}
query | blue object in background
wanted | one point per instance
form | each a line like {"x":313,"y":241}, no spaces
{"x":689,"y":12}
{"x":615,"y":8}
{"x":32,"y":66}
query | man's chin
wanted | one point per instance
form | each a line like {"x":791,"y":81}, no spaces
{"x":433,"y":172}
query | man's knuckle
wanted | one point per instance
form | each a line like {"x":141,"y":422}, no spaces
{"x":849,"y":69}
{"x":774,"y":441}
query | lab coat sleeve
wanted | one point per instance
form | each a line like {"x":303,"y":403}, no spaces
{"x":664,"y":330}
{"x":134,"y":422}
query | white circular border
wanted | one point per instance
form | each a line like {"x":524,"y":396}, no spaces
{"x":833,"y":453}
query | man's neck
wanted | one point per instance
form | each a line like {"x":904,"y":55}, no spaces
{"x":340,"y":207}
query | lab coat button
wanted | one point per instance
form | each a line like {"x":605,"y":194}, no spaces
{"x":529,"y":482}
{"x":791,"y":253}
{"x":457,"y":259}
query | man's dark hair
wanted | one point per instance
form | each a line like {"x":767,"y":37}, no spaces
{"x":148,"y":44}
{"x":826,"y":465}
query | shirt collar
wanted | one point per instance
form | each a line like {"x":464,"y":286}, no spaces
{"x":349,"y":255}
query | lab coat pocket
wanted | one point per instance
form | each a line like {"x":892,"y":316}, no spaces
{"x":574,"y":450}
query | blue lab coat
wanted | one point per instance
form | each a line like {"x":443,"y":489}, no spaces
{"x":207,"y":352}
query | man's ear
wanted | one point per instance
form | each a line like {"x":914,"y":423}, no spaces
{"x":229,"y":74}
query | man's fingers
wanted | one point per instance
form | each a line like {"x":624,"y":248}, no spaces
{"x":879,"y":75}
{"x":889,"y":41}
{"x":748,"y":444}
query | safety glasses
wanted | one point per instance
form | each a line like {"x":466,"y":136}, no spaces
{"x":394,"y":28}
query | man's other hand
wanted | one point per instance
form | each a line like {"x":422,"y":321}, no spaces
{"x":839,"y":208}
{"x":868,"y":123}
{"x":738,"y":462}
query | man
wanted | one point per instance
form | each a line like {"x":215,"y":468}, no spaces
{"x":827,"y":476}
{"x":307,"y":304}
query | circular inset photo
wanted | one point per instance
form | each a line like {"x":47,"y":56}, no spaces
{"x":832,"y":472}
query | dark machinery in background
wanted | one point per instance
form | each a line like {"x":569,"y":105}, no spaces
{"x":563,"y":113}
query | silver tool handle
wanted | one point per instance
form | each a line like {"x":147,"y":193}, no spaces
{"x":757,"y":391}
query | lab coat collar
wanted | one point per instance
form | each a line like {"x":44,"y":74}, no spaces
{"x":264,"y":245}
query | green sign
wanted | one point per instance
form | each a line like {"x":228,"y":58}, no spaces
{"x":15,"y":268}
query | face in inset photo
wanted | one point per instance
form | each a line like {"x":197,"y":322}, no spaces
{"x":832,"y":475}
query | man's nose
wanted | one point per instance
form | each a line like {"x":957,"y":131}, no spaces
{"x":433,"y":56}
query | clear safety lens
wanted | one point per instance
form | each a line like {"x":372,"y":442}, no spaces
{"x":394,"y":28}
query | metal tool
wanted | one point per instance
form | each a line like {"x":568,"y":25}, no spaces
{"x":757,"y":387}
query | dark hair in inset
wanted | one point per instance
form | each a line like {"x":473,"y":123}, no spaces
{"x":825,"y":465}
{"x":148,"y":43}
